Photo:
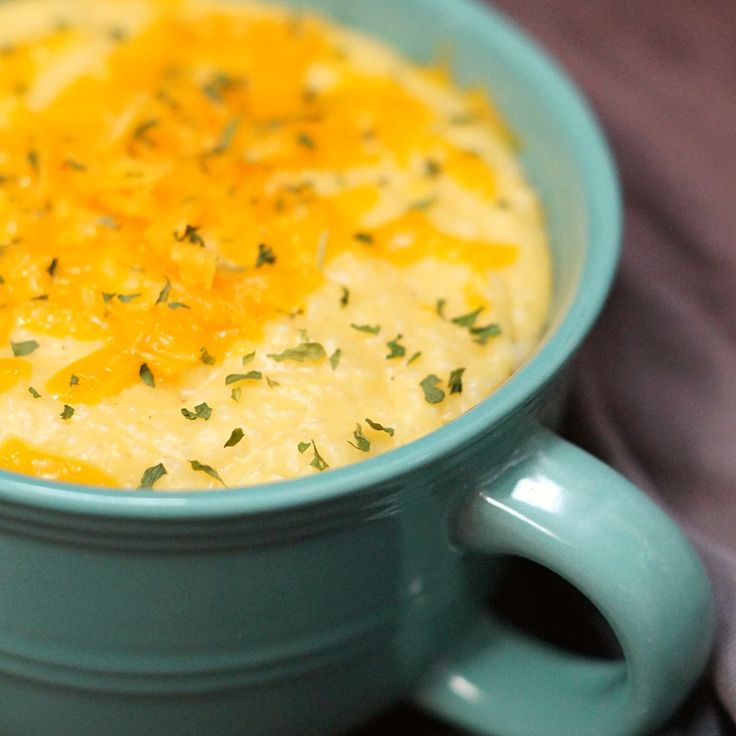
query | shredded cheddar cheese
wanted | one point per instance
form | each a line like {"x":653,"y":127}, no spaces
{"x":184,"y":182}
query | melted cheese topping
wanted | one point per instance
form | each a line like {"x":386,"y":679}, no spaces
{"x":221,"y":221}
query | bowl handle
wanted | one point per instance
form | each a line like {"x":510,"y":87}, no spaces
{"x":559,"y":506}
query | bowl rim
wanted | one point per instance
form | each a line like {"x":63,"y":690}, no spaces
{"x":604,"y":207}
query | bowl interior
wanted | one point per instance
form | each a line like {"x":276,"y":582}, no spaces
{"x":568,"y":162}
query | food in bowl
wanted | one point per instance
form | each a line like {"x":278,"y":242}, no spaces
{"x":241,"y":244}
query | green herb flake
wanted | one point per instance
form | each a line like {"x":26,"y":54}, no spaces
{"x":249,"y":358}
{"x":127,"y":298}
{"x":70,"y":163}
{"x":265,"y":255}
{"x":51,"y":270}
{"x":235,"y":437}
{"x":237,"y":377}
{"x":440,"y":308}
{"x":68,"y":412}
{"x":153,"y":474}
{"x":147,"y":375}
{"x":365,"y":238}
{"x":226,"y":137}
{"x":335,"y":359}
{"x":432,"y":394}
{"x":191,"y":235}
{"x":32,"y":391}
{"x":345,"y":298}
{"x":361,"y":443}
{"x":304,"y":351}
{"x":271,"y":383}
{"x":33,"y":160}
{"x":422,"y":204}
{"x":208,"y":469}
{"x":141,"y":131}
{"x":432,"y":168}
{"x":205,"y":357}
{"x":236,"y":393}
{"x":26,"y":347}
{"x":483,"y":334}
{"x":414,"y":357}
{"x":178,"y":305}
{"x":370,"y":329}
{"x":455,"y":383}
{"x":218,"y":85}
{"x":74,"y":380}
{"x":306,"y":140}
{"x":468,"y":320}
{"x":163,"y":297}
{"x":108,"y":296}
{"x":397,"y":350}
{"x":201,"y":411}
{"x":390,"y":431}
{"x":317,"y":460}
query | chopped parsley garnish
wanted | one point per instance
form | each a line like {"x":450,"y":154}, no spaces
{"x":33,"y":160}
{"x":226,"y":137}
{"x":218,"y":85}
{"x":271,"y":383}
{"x":235,"y":437}
{"x":191,"y":235}
{"x":397,"y":350}
{"x":68,"y":412}
{"x":414,"y":357}
{"x":306,"y":140}
{"x":468,"y":320}
{"x":208,"y":469}
{"x":140,"y":133}
{"x":345,"y":298}
{"x":302,"y":352}
{"x":236,"y":393}
{"x":317,"y":460}
{"x":201,"y":411}
{"x":237,"y":377}
{"x":51,"y":270}
{"x":108,"y":296}
{"x":249,"y":358}
{"x":163,"y":297}
{"x":432,"y":168}
{"x":127,"y":298}
{"x":440,"y":307}
{"x":24,"y":348}
{"x":178,"y":305}
{"x":361,"y":443}
{"x":365,"y":238}
{"x":335,"y":359}
{"x":370,"y":329}
{"x":32,"y":391}
{"x":455,"y":384}
{"x":153,"y":474}
{"x":432,"y":394}
{"x":481,"y":335}
{"x":205,"y":357}
{"x":390,"y":431}
{"x":147,"y":375}
{"x":422,"y":204}
{"x":70,"y":163}
{"x":265,"y":255}
{"x":74,"y":380}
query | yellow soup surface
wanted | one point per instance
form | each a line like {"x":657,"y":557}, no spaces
{"x":239,"y":245}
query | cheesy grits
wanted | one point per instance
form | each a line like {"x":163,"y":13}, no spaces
{"x":239,"y":244}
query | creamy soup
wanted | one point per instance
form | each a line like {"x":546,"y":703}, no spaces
{"x":239,"y":245}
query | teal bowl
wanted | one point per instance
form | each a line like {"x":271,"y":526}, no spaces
{"x":302,"y":608}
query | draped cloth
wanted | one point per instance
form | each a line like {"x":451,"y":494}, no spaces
{"x":654,"y":388}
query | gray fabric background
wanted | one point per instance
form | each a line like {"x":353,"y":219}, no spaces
{"x":655,"y":385}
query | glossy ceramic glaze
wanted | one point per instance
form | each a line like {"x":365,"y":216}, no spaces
{"x":302,"y":608}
